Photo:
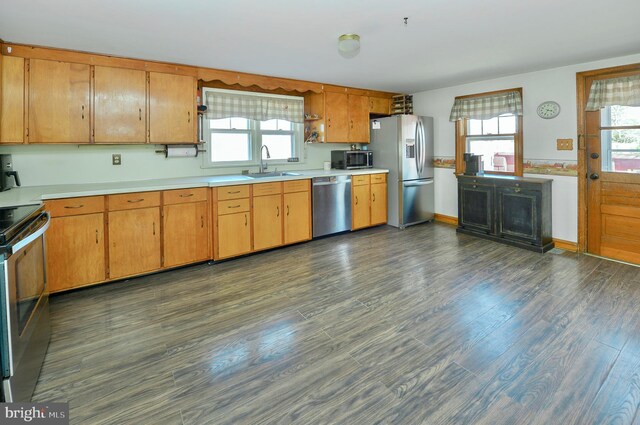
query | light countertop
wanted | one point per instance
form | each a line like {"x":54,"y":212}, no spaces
{"x":36,"y":194}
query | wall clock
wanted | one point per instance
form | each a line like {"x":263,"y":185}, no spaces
{"x":548,"y":109}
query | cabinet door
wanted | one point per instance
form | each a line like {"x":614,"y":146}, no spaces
{"x":267,"y":221}
{"x":336,"y":117}
{"x":475,"y":207}
{"x":58,"y":102}
{"x":12,"y":100}
{"x":234,"y":234}
{"x":185,"y":233}
{"x":119,"y":105}
{"x":519,"y":213}
{"x":134,"y":241}
{"x":358,"y":119}
{"x":378,"y":203}
{"x":297,"y":217}
{"x":172,"y":108}
{"x":379,"y":105}
{"x":360,"y":207}
{"x":75,"y":251}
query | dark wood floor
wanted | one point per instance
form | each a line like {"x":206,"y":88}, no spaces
{"x":379,"y":326}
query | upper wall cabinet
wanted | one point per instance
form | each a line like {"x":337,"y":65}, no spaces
{"x":347,"y":118}
{"x":172,"y":108}
{"x":12,"y":87}
{"x":59,"y":102}
{"x":120,"y":112}
{"x":379,"y":105}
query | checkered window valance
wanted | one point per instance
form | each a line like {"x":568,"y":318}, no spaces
{"x":486,"y":107}
{"x":623,"y":91}
{"x":253,"y":107}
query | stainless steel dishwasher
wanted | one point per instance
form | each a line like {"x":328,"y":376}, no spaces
{"x":331,"y":205}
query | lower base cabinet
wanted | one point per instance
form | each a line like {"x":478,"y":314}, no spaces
{"x":512,"y":210}
{"x":234,"y":234}
{"x":297,"y":217}
{"x":75,"y":251}
{"x":368,"y":200}
{"x":360,"y":207}
{"x":134,"y":242}
{"x":185,"y":233}
{"x":378,"y":203}
{"x":267,"y":222}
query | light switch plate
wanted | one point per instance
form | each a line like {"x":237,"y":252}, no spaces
{"x":565,"y":144}
{"x":116,"y":159}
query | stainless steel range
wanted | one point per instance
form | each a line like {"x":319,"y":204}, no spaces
{"x":24,"y":300}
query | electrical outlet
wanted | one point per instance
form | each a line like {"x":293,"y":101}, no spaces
{"x":116,"y":159}
{"x":565,"y":144}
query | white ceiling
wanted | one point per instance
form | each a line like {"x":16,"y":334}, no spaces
{"x":447,"y":42}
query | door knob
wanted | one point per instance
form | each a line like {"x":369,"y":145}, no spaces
{"x":595,"y":155}
{"x":594,"y":176}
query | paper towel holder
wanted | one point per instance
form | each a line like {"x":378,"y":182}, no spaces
{"x":181,"y":151}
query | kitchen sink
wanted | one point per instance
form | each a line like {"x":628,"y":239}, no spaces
{"x":273,"y":174}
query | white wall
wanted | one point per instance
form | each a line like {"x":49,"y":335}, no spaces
{"x":540,"y":135}
{"x":62,"y":164}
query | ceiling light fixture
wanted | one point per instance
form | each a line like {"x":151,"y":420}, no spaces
{"x":349,"y":45}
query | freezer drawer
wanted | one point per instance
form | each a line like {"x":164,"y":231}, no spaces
{"x":417,"y":202}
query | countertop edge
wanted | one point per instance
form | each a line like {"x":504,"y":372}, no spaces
{"x":35,"y":195}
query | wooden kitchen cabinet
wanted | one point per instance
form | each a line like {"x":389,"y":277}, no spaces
{"x":75,"y":251}
{"x":172,"y":108}
{"x":120,"y":111}
{"x":185,"y":230}
{"x":59,"y":102}
{"x":379,"y":105}
{"x":336,"y":107}
{"x":134,"y":242}
{"x":234,"y":234}
{"x":378,"y":203}
{"x":361,"y":210}
{"x":267,"y":215}
{"x":297,"y":217}
{"x":368,"y":200}
{"x":358,"y":119}
{"x":12,"y":93}
{"x":347,"y":118}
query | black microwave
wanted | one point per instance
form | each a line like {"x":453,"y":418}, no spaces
{"x":349,"y":160}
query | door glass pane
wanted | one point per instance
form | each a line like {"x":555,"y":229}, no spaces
{"x":620,"y":150}
{"x":230,"y":147}
{"x":614,"y":116}
{"x":279,"y":145}
{"x":497,"y":154}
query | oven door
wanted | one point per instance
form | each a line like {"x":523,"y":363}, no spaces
{"x":357,"y":159}
{"x":25,"y":312}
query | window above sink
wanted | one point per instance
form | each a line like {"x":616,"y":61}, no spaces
{"x":237,"y":141}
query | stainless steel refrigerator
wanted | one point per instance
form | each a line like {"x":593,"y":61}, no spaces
{"x":404,"y":145}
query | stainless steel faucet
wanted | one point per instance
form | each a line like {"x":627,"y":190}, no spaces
{"x":263,"y":164}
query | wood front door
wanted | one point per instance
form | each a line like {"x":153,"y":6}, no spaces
{"x":612,"y":137}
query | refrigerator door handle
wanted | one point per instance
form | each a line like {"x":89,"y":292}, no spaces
{"x":417,"y":183}
{"x":416,"y":149}
{"x":423,"y":148}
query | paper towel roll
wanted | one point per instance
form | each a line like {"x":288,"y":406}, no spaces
{"x":181,"y":151}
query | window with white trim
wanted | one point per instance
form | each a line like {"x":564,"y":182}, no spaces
{"x":237,"y":141}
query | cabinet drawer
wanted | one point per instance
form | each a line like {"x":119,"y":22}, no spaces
{"x":297,"y":186}
{"x":263,"y":189}
{"x":233,"y":192}
{"x":520,"y":185}
{"x":75,"y":206}
{"x":181,"y":196}
{"x":233,"y":206}
{"x":130,"y":201}
{"x":378,"y":178}
{"x":360,"y":180}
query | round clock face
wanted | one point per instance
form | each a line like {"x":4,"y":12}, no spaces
{"x":548,"y":110}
